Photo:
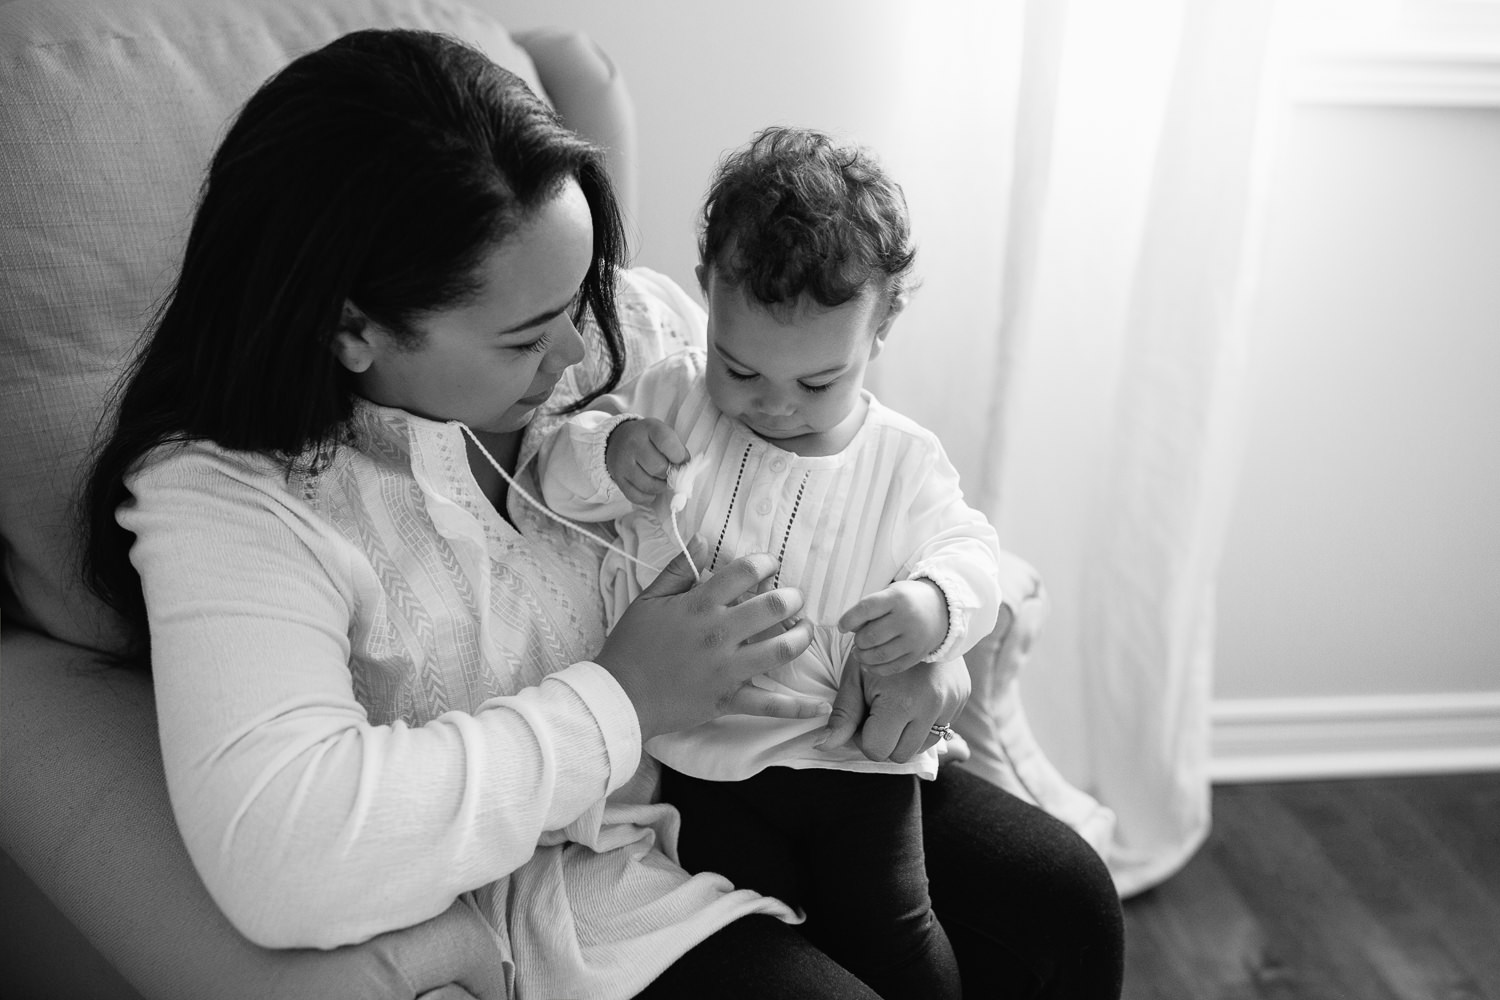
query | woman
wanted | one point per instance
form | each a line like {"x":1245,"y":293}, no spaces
{"x":382,"y":677}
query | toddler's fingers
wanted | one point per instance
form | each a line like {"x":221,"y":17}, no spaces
{"x":636,"y":495}
{"x":653,"y":465}
{"x":885,"y":653}
{"x":645,"y":492}
{"x":877,"y":632}
{"x":667,"y":443}
{"x":866,"y":610}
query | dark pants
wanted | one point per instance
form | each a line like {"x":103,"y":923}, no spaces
{"x":844,"y":847}
{"x":1027,"y":905}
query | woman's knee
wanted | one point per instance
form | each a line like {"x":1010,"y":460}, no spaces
{"x":753,"y":958}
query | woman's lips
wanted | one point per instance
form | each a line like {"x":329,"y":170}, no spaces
{"x":538,"y":398}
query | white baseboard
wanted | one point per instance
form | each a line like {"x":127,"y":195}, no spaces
{"x":1280,"y":739}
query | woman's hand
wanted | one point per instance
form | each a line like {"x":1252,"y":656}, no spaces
{"x":894,"y":715}
{"x":685,"y":654}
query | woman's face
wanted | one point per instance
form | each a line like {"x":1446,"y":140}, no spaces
{"x":493,"y":359}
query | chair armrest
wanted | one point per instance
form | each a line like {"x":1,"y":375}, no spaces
{"x":84,"y":812}
{"x":993,"y":723}
{"x":589,"y":93}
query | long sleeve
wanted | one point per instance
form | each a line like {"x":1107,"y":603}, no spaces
{"x":309,"y":825}
{"x":955,"y":547}
{"x":571,"y":466}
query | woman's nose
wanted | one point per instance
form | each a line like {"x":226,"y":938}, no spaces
{"x":567,"y":349}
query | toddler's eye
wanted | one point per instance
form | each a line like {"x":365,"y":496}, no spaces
{"x":738,"y":376}
{"x":817,"y":388}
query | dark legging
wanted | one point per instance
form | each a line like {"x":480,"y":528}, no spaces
{"x":845,"y":848}
{"x":1027,"y":905}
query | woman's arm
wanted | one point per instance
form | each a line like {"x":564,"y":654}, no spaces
{"x":309,"y":825}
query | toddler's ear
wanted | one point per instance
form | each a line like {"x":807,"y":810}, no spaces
{"x":883,"y":328}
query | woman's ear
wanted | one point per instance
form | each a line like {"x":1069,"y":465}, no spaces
{"x":351,"y":341}
{"x":893,"y":309}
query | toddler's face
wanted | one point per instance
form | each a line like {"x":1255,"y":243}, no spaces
{"x":792,"y":378}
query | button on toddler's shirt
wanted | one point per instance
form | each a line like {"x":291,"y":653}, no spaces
{"x":778,"y":464}
{"x":763,"y":508}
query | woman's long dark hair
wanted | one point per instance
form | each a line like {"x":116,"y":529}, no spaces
{"x":379,"y":169}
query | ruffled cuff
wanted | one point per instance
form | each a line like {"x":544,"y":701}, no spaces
{"x":953,"y":587}
{"x":608,"y":491}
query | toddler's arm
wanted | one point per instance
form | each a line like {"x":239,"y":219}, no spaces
{"x":598,"y":464}
{"x":572,"y":472}
{"x":947,"y":596}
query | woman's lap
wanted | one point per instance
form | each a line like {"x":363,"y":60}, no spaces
{"x":844,"y":847}
{"x":757,"y":958}
{"x":1028,"y":905}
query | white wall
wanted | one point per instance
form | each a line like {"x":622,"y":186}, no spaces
{"x":1368,"y":524}
{"x":1359,"y":599}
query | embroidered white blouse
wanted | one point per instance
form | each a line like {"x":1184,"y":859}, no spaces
{"x":888,"y":507}
{"x":375,"y":697}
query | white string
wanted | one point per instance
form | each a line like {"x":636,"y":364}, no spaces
{"x":676,"y":533}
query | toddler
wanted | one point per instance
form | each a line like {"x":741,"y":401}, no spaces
{"x":768,"y":441}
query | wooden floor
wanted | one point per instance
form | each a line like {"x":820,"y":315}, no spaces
{"x":1369,"y":889}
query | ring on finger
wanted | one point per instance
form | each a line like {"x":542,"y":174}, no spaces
{"x":946,"y":732}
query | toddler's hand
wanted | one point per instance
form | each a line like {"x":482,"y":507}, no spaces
{"x":896,"y":628}
{"x":639,"y":455}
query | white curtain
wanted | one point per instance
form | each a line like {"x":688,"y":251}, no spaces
{"x":1109,"y":455}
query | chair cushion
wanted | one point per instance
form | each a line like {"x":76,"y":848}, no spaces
{"x":86,"y":816}
{"x":110,"y":113}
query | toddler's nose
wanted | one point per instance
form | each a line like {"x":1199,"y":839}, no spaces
{"x":774,"y":404}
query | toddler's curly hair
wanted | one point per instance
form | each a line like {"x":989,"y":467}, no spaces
{"x":795,"y":212}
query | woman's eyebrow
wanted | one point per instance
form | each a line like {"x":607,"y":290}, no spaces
{"x":539,"y":318}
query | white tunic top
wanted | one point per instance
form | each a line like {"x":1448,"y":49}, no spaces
{"x":887,"y":507}
{"x":376,"y":696}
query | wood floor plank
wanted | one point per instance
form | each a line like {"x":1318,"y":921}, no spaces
{"x":1211,"y":941}
{"x":1445,"y":902}
{"x":1463,"y":810}
{"x":1367,"y":889}
{"x":1313,"y":922}
{"x":1407,"y":880}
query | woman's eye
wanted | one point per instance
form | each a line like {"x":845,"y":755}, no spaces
{"x":537,"y":346}
{"x":816,"y":388}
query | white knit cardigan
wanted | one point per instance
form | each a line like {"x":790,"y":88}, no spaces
{"x":375,"y":697}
